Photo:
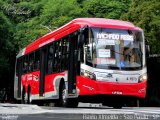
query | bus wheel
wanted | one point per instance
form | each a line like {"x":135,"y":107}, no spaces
{"x":118,"y":106}
{"x":67,"y":102}
{"x":29,"y":98}
{"x":24,"y":97}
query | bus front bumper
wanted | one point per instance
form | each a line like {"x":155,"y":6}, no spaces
{"x":91,"y":87}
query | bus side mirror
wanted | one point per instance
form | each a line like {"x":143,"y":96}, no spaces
{"x":81,"y":40}
{"x":82,"y":36}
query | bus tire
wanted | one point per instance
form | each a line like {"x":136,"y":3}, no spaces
{"x":67,"y":102}
{"x":118,"y":105}
{"x":24,"y":99}
{"x":29,"y":99}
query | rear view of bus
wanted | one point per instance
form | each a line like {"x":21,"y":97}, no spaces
{"x":114,"y":68}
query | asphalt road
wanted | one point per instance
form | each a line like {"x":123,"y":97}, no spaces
{"x":10,"y":112}
{"x":94,"y":114}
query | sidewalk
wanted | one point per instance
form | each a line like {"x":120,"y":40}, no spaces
{"x":6,"y":108}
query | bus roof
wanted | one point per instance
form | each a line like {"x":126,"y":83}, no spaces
{"x":75,"y":25}
{"x":106,"y":23}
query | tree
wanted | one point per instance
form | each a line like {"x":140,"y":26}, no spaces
{"x":146,"y":14}
{"x":7,"y":53}
{"x":106,"y":8}
{"x":58,"y":12}
{"x":28,"y":27}
{"x":8,"y":47}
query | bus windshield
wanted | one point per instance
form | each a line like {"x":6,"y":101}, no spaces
{"x":115,"y":49}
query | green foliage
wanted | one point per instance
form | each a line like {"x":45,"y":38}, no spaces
{"x":58,"y":12}
{"x":35,"y":18}
{"x":28,"y":32}
{"x":6,"y":49}
{"x":146,"y":14}
{"x":106,"y":8}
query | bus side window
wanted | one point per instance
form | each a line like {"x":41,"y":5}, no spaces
{"x":65,"y":54}
{"x":50,"y":59}
{"x":25,"y":64}
{"x":62,"y":56}
{"x":57,"y":55}
{"x":88,"y":51}
{"x":66,"y":62}
{"x":31,"y":62}
{"x":37,"y":61}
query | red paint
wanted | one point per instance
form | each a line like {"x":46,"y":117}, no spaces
{"x":75,"y":25}
{"x":50,"y":79}
{"x":31,"y":79}
{"x":85,"y":85}
{"x":106,"y":88}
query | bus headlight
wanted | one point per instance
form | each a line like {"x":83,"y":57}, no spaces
{"x":142,"y":78}
{"x":89,"y":75}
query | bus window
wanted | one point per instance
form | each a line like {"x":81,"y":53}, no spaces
{"x":88,"y":48}
{"x":25,"y":64}
{"x":130,"y":56}
{"x":57,"y":55}
{"x":65,"y":54}
{"x":50,"y":59}
{"x":31,"y":62}
{"x":37,"y":61}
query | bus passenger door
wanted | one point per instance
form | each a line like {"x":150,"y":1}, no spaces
{"x":72,"y":70}
{"x":43,"y":60}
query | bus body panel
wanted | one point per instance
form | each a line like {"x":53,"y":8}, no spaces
{"x":88,"y":87}
{"x":52,"y":82}
{"x":32,"y":80}
{"x":50,"y":38}
{"x":85,"y":86}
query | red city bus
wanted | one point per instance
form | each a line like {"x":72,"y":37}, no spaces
{"x":94,"y":60}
